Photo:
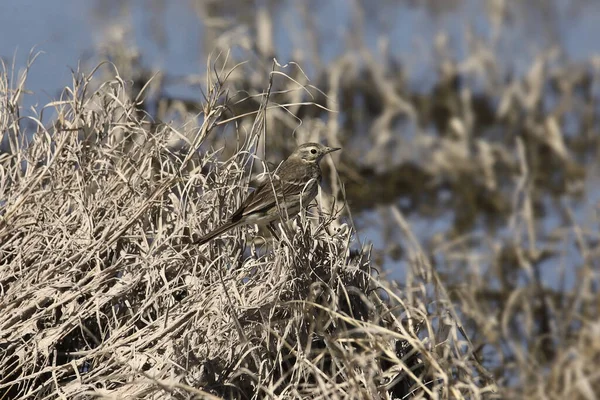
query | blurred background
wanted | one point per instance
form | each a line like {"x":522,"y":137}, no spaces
{"x":475,"y":121}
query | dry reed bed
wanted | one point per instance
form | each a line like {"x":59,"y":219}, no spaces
{"x":99,"y":298}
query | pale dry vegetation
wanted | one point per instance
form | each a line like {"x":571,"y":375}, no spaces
{"x":99,"y":298}
{"x":101,"y":294}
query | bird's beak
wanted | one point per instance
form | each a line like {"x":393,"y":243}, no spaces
{"x":332,"y":149}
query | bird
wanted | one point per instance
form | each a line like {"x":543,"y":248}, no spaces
{"x":294,"y":184}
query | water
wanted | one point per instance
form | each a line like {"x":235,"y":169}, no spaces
{"x":171,"y":37}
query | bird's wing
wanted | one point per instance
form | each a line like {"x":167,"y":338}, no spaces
{"x":249,"y":203}
{"x":263,"y":197}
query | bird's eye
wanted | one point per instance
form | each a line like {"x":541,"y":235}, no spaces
{"x":313,"y":151}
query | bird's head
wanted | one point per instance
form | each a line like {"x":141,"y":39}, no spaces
{"x":313,"y":152}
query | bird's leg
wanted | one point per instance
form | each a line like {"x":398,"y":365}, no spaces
{"x":271,"y":228}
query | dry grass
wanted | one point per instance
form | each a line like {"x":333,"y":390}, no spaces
{"x":98,"y":297}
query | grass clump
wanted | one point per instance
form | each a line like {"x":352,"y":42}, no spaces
{"x":101,"y":296}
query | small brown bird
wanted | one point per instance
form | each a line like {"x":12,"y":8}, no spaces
{"x":294,"y":185}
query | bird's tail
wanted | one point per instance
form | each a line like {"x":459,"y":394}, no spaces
{"x":209,"y":236}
